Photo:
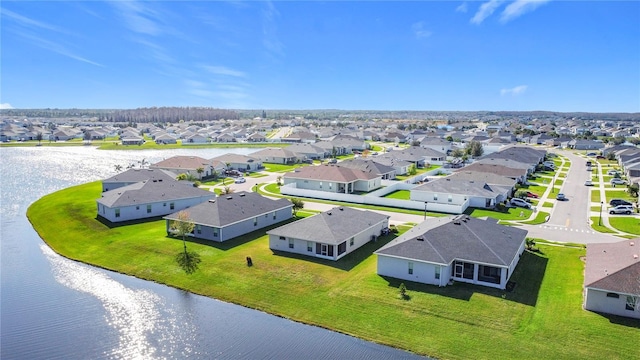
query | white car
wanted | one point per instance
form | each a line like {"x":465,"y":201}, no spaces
{"x":520,"y":203}
{"x":621,"y":209}
{"x":240,"y":180}
{"x":616,"y":181}
{"x":588,"y":183}
{"x":612,"y":172}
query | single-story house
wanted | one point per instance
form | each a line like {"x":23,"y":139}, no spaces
{"x":165,"y":139}
{"x":436,"y":143}
{"x":452,"y":191}
{"x":369,"y":165}
{"x":239,"y":162}
{"x":149,"y":198}
{"x":189,"y":165}
{"x":333,"y":178}
{"x":256,"y":137}
{"x":133,"y":176}
{"x":329,"y":235}
{"x":612,"y":278}
{"x":229,"y":216}
{"x":581,"y":144}
{"x":308,"y":151}
{"x":459,"y":248}
{"x":133,"y":140}
{"x":275,"y":156}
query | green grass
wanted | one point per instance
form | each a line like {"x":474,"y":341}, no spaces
{"x":599,"y":228}
{"x":558,"y":182}
{"x":399,"y":194}
{"x":547,"y":204}
{"x":626,"y":224}
{"x":509,"y":214}
{"x":595,"y":196}
{"x":619,"y":194}
{"x":542,"y":318}
{"x":540,"y":218}
{"x":535,"y":188}
{"x":281,"y":167}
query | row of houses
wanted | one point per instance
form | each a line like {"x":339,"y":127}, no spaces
{"x":628,"y":157}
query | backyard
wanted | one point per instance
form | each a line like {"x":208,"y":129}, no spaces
{"x":541,"y":318}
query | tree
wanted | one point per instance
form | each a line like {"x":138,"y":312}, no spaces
{"x":87,"y":135}
{"x":457,"y":153}
{"x":227,"y":190}
{"x":183,"y":226}
{"x":633,"y":190}
{"x":412,"y":169}
{"x":182,"y":176}
{"x":39,"y":137}
{"x":297,"y":205}
{"x":403,"y":291}
{"x":118,"y":167}
{"x":200,"y":170}
{"x":474,"y":148}
{"x":279,"y":180}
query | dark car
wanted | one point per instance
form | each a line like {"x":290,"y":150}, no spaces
{"x":616,"y":202}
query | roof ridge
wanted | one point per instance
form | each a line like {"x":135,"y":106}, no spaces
{"x":482,"y":241}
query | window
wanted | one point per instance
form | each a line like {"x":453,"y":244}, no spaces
{"x":165,"y":204}
{"x":274,"y":215}
{"x":198,"y":229}
{"x":351,"y":242}
{"x":283,"y":238}
{"x":148,"y":209}
{"x":309,"y":246}
{"x":435,"y":197}
{"x":255,"y":221}
{"x":117,"y":213}
{"x":410,"y":268}
{"x":450,"y":198}
{"x":290,"y":243}
{"x":632,"y":303}
{"x":437,"y":272}
{"x":137,"y":207}
{"x":320,"y":184}
{"x":330,"y":185}
{"x":172,"y":206}
{"x":342,"y":247}
{"x":215,"y":232}
{"x":613,"y":295}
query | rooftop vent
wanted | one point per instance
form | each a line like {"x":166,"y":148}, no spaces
{"x":341,"y":209}
{"x":635,"y":256}
{"x":631,"y":243}
{"x":212,"y":200}
{"x":456,"y":222}
{"x":229,"y":197}
{"x":329,"y":213}
{"x":420,"y":238}
{"x":242,"y":195}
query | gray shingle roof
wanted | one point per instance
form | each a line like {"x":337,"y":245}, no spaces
{"x":232,"y":208}
{"x":449,"y":185}
{"x":486,"y":177}
{"x":137,"y":175}
{"x":614,"y":266}
{"x":366,"y":165}
{"x":458,"y":238}
{"x":330,"y":173}
{"x":331,"y":227}
{"x":146,"y":192}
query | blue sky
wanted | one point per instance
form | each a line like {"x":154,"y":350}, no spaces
{"x":379,"y":55}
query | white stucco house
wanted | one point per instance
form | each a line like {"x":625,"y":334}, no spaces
{"x":329,"y":235}
{"x":148,"y":199}
{"x":226,"y":217}
{"x":459,"y":248}
{"x":454,"y":191}
{"x":133,"y":176}
{"x":612,"y":278}
{"x":332,"y":178}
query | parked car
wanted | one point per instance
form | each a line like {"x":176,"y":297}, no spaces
{"x":591,"y":154}
{"x":519,"y":203}
{"x":333,"y":161}
{"x":561,"y":197}
{"x":600,"y":157}
{"x":621,"y":209}
{"x":616,"y":181}
{"x":532,"y":195}
{"x":616,"y":202}
{"x":589,"y":168}
{"x":307,"y":161}
{"x":240,"y":180}
{"x":588,"y":183}
{"x":612,"y":172}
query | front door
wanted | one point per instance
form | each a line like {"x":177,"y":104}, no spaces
{"x":323,"y":250}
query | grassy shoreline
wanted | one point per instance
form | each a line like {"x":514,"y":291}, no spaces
{"x":542,"y":318}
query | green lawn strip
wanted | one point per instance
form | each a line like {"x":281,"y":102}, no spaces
{"x":626,"y":224}
{"x":510,"y":213}
{"x":596,"y":225}
{"x":535,"y":188}
{"x":152,"y":145}
{"x":540,"y":218}
{"x":281,"y":167}
{"x":558,"y":182}
{"x":619,"y":194}
{"x":597,"y":208}
{"x":595,"y":196}
{"x":399,"y":194}
{"x":542,"y":317}
{"x":547,"y":204}
{"x":257,"y":175}
{"x":273,"y":190}
{"x":227,"y":181}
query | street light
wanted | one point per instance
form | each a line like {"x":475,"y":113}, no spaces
{"x":425,"y":210}
{"x":600,"y":215}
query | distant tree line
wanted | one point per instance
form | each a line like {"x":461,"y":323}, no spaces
{"x":169,"y":114}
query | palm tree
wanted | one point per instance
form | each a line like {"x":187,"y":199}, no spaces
{"x":118,"y":167}
{"x":227,"y":190}
{"x":39,"y":138}
{"x":297,"y":205}
{"x":200,"y":170}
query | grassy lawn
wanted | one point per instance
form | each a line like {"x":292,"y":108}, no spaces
{"x":599,"y":228}
{"x":626,"y":224}
{"x":558,"y":182}
{"x":595,"y":196}
{"x":619,"y":194}
{"x":535,"y":188}
{"x":541,"y":318}
{"x":509,"y":214}
{"x":547,"y":204}
{"x":227,"y":181}
{"x":281,"y":167}
{"x":418,"y":172}
{"x":400,"y":194}
{"x":256,"y":175}
{"x":539,"y":219}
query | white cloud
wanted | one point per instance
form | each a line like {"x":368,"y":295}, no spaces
{"x":520,"y":7}
{"x":520,"y":89}
{"x":5,"y":106}
{"x":419,"y":30}
{"x":485,"y":11}
{"x":223,"y":70}
{"x":57,"y":48}
{"x":462,"y":7}
{"x":138,"y":17}
{"x":28,"y":22}
{"x":270,"y":40}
